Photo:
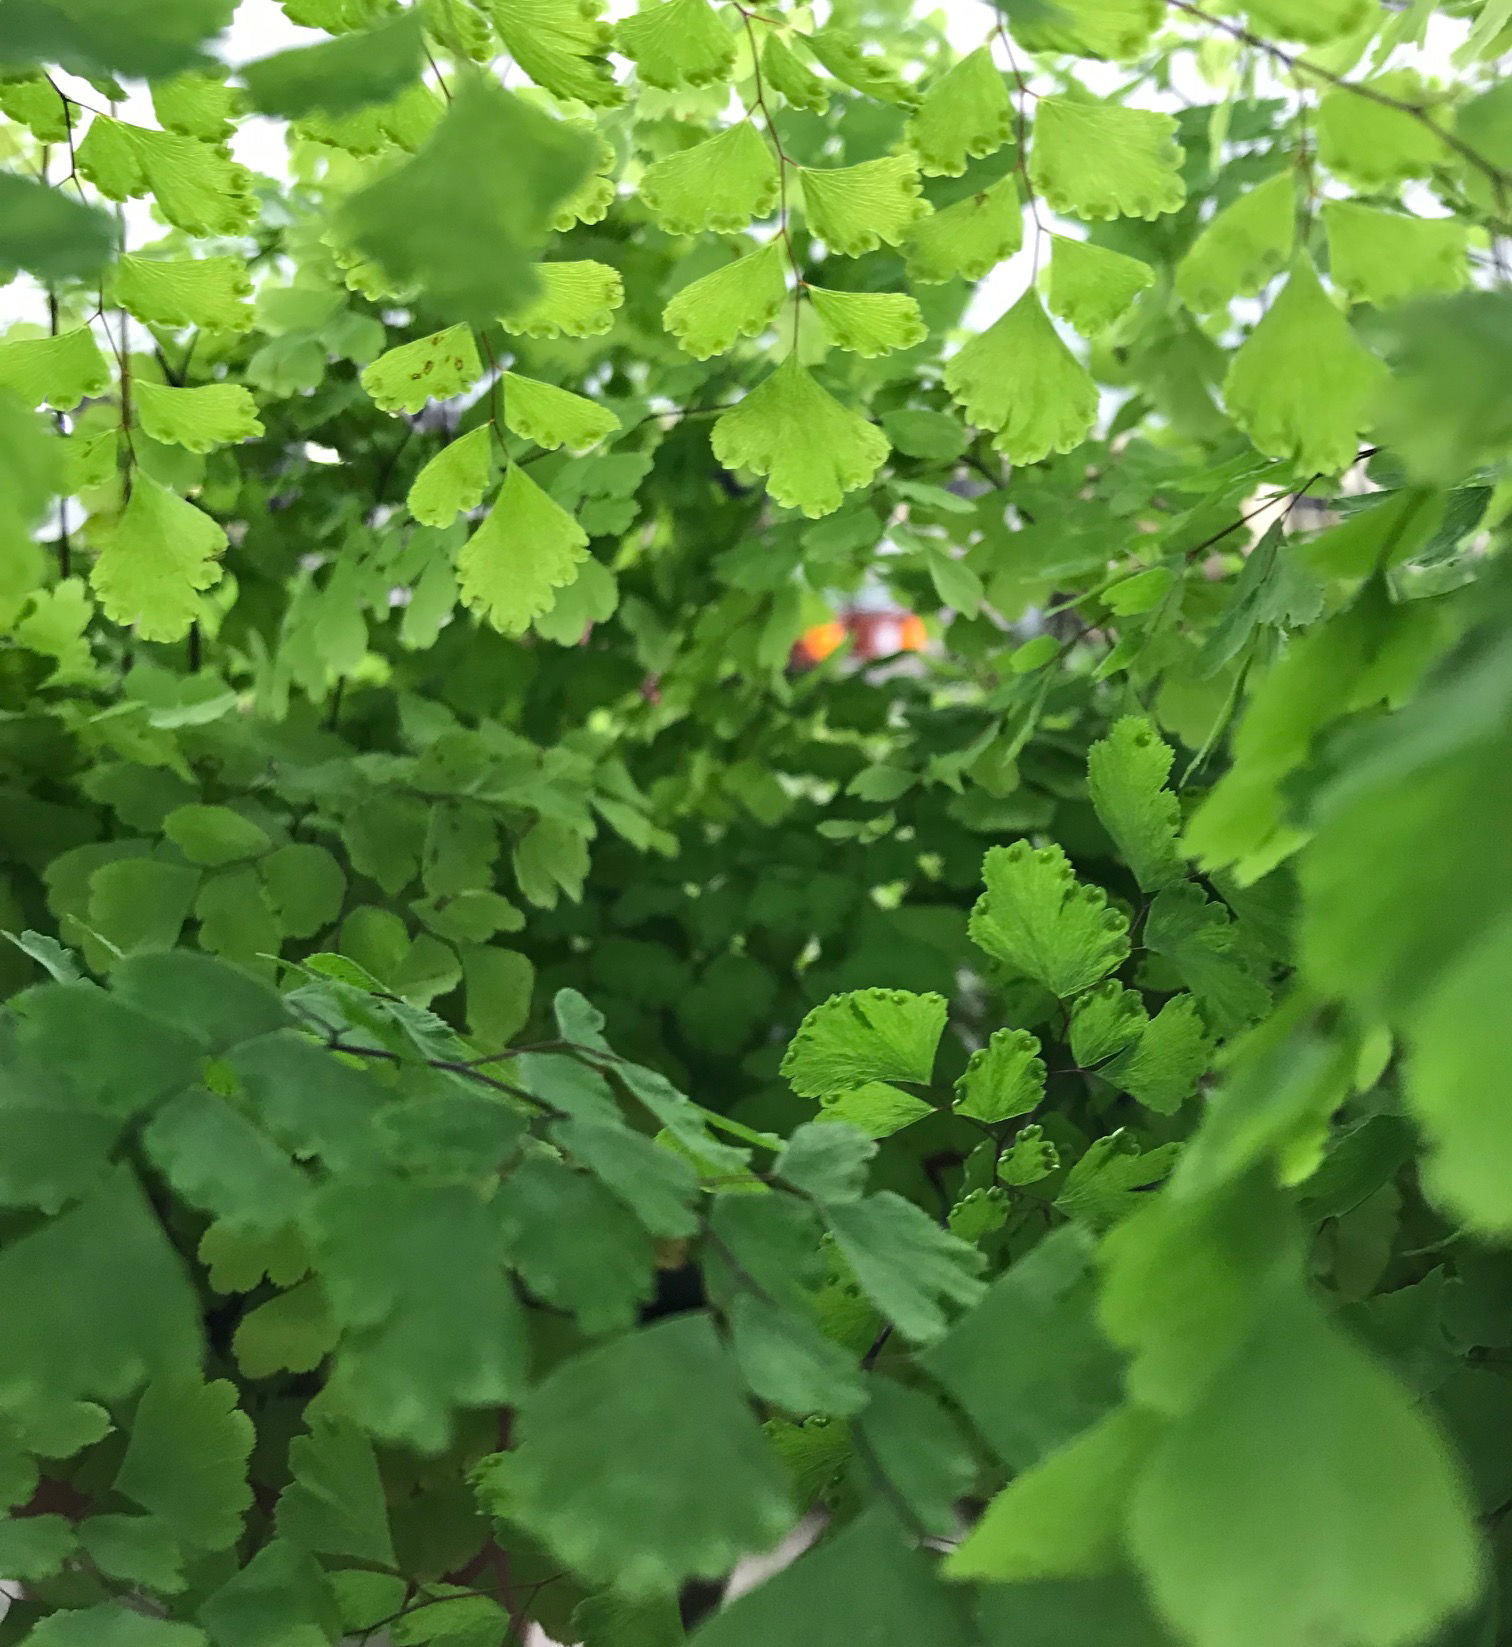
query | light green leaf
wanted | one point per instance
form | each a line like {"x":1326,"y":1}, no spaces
{"x":1126,"y":777}
{"x":453,"y":482}
{"x":905,"y":1263}
{"x":1064,"y":1517}
{"x":1002,"y":1079}
{"x":1117,"y":29}
{"x":1304,"y":1496}
{"x":1243,"y":248}
{"x":465,"y":231}
{"x":1091,"y":286}
{"x":197,"y":103}
{"x":1161,"y":1070}
{"x":554,"y":417}
{"x":695,"y":1486}
{"x":339,"y":75}
{"x":867,"y":1035}
{"x":1374,"y":146}
{"x":212,"y":292}
{"x":1312,"y":21}
{"x":792,"y":78}
{"x":740,"y":300}
{"x":854,"y":209}
{"x":1028,"y":1159}
{"x":1097,"y":160}
{"x":1108,"y":1182}
{"x":966,"y":114}
{"x":186,"y":1461}
{"x":1385,"y":257}
{"x":113,"y":1624}
{"x":154,"y":561}
{"x":678,"y":43}
{"x":1019,"y":380}
{"x":431,"y":368}
{"x":877,"y":1109}
{"x":574,"y":300}
{"x":54,"y":371}
{"x":289,"y":1332}
{"x":1302,"y":386}
{"x":722,"y":183}
{"x":562,"y":45}
{"x":199,"y":419}
{"x":967,"y":238}
{"x":526,"y":548}
{"x":844,"y":54}
{"x":869,"y":323}
{"x":197,"y":186}
{"x":812,"y":449}
{"x":1038,"y":919}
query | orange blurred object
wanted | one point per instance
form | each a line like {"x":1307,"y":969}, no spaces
{"x":872,"y":635}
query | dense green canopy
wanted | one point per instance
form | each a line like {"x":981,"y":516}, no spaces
{"x":755,"y":759}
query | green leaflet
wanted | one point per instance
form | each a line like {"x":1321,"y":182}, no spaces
{"x":854,"y":209}
{"x":159,"y":555}
{"x":965,"y":114}
{"x":740,"y":300}
{"x":1243,"y":247}
{"x":871,"y":1035}
{"x":199,"y":419}
{"x":339,"y":75}
{"x":1039,"y":920}
{"x":54,"y":371}
{"x":869,"y":323}
{"x":1126,"y":775}
{"x":526,"y":547}
{"x":1347,"y":1514}
{"x":1385,"y":257}
{"x":574,"y":300}
{"x":721,"y":183}
{"x":207,"y":291}
{"x":48,"y":234}
{"x":1020,"y":381}
{"x":811,"y":448}
{"x":1100,"y":160}
{"x":1302,"y":386}
{"x":464,"y":232}
{"x":553,"y":417}
{"x":1091,"y":286}
{"x":454,"y":480}
{"x":1064,"y":1517}
{"x":1118,"y":29}
{"x":967,"y":238}
{"x":666,"y":1400}
{"x":186,"y":1461}
{"x":431,"y":368}
{"x":1003,"y":1079}
{"x":678,"y":43}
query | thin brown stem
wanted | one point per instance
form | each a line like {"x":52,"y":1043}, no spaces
{"x":1302,"y":66}
{"x":783,"y":163}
